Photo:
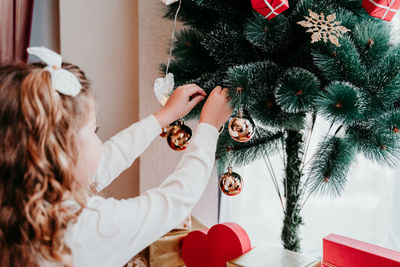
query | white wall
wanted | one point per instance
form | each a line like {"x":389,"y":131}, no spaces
{"x":159,"y":160}
{"x":101,"y":36}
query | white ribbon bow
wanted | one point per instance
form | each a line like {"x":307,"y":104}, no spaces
{"x":169,"y":2}
{"x":63,"y":81}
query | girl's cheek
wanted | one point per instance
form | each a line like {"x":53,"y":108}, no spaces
{"x":99,"y":151}
{"x":90,"y":150}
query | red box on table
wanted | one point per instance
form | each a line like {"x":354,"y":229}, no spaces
{"x":340,"y":251}
{"x":270,"y":8}
{"x":382,"y":9}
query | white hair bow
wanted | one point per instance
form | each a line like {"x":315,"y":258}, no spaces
{"x":169,"y":2}
{"x":63,"y":81}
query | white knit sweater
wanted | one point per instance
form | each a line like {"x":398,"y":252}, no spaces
{"x":109,"y":232}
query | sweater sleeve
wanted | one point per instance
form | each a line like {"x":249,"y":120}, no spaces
{"x":122,"y":149}
{"x":109,"y":231}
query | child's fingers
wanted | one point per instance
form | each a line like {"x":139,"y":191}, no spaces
{"x":194,"y":95}
{"x":191,"y":89}
{"x":195,"y":101}
{"x":225,"y":91}
{"x":217,"y":90}
{"x":188,"y":85}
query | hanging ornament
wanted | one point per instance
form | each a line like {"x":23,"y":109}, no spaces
{"x":230,"y":183}
{"x":242,"y":127}
{"x":382,"y":9}
{"x":165,"y":131}
{"x":178,"y":136}
{"x":270,"y":8}
{"x":163,"y":88}
{"x":323,"y":28}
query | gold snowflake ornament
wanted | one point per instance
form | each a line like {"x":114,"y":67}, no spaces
{"x":323,"y":28}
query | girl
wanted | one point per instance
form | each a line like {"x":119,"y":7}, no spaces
{"x":50,"y":154}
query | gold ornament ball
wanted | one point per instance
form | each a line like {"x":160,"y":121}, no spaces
{"x":178,"y":137}
{"x":164,"y":132}
{"x":241,"y":128}
{"x":230,"y":183}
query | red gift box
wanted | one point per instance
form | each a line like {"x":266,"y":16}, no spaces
{"x":382,"y":9}
{"x":270,"y":8}
{"x":214,"y":247}
{"x":340,"y":251}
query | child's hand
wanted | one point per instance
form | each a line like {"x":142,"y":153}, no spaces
{"x":217,"y":110}
{"x":180,"y":103}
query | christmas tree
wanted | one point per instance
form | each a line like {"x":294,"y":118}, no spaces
{"x":325,"y":58}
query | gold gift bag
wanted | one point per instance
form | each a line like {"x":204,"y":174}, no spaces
{"x":166,"y":251}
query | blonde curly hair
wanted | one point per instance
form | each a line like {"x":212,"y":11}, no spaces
{"x":38,"y":155}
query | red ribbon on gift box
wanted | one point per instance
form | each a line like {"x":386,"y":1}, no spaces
{"x":378,"y":9}
{"x":270,"y":8}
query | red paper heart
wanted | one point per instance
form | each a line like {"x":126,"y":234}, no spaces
{"x":214,"y":247}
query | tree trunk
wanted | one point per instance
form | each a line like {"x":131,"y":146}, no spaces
{"x":292,"y":220}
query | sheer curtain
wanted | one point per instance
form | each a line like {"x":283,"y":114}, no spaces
{"x":368,"y":209}
{"x":15,"y":29}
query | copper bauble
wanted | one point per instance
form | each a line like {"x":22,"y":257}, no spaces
{"x":230,"y":183}
{"x":164,"y":131}
{"x":178,"y":136}
{"x":242,"y":127}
